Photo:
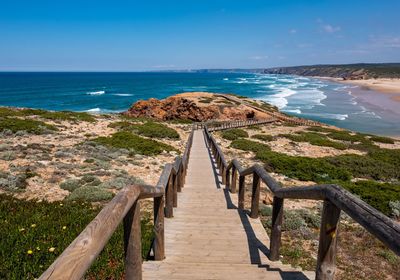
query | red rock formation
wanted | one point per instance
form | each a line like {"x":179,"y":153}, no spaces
{"x":176,"y":107}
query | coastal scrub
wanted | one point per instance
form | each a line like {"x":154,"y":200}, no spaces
{"x":134,"y":143}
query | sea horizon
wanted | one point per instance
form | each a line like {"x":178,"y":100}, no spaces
{"x":113,"y":92}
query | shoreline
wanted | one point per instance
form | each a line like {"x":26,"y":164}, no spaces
{"x":377,"y":94}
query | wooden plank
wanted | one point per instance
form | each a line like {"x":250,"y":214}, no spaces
{"x":327,"y":242}
{"x":159,"y":239}
{"x":255,"y":196}
{"x":276,"y":231}
{"x":133,"y":243}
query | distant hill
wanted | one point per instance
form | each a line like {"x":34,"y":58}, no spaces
{"x":345,"y":71}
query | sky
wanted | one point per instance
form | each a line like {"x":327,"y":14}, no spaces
{"x":87,"y":35}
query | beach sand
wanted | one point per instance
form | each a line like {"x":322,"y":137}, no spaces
{"x":377,"y":92}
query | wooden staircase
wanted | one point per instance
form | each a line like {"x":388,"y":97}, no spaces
{"x":209,"y":237}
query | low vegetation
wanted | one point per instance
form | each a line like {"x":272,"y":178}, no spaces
{"x":263,"y":137}
{"x":33,"y":234}
{"x":134,"y":143}
{"x":31,"y":126}
{"x":234,"y":133}
{"x":379,"y":164}
{"x":315,"y":139}
{"x":50,"y":115}
{"x":149,"y":129}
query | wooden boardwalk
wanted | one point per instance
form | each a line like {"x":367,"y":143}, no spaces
{"x":209,"y":238}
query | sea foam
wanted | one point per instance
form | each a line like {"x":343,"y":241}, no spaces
{"x":99,"y":92}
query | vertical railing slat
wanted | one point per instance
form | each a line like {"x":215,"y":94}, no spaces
{"x":133,"y":243}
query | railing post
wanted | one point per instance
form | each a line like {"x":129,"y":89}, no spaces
{"x":223,"y":174}
{"x":326,"y":262}
{"x":180,"y":177}
{"x":241,"y":192}
{"x":276,"y":231}
{"x":169,"y":212}
{"x":175,"y":189}
{"x":133,"y":243}
{"x":158,"y":245}
{"x":255,"y":196}
{"x":233,"y":181}
{"x":227,"y":177}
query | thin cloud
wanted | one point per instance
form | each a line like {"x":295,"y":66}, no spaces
{"x":259,"y":57}
{"x":327,"y":28}
{"x":385,"y":41}
{"x":292,"y":31}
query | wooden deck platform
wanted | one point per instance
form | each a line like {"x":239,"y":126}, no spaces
{"x":209,"y":238}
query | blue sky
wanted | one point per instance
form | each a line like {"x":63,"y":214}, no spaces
{"x":133,"y":35}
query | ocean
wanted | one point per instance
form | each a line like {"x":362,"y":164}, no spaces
{"x":320,"y":100}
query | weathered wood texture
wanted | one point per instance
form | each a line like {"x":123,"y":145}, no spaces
{"x":133,"y":243}
{"x":76,"y":259}
{"x":80,"y":254}
{"x":209,"y":238}
{"x":327,"y":241}
{"x":375,"y":222}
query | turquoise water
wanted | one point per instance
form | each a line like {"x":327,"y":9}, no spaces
{"x":323,"y":101}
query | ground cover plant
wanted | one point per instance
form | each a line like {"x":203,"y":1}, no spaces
{"x":263,"y":137}
{"x":234,"y":133}
{"x":31,"y":126}
{"x":315,"y":139}
{"x":34,"y":233}
{"x":379,"y":164}
{"x":50,"y":115}
{"x":134,"y":143}
{"x":149,"y":129}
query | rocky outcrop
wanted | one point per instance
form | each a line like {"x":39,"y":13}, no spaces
{"x":188,"y":107}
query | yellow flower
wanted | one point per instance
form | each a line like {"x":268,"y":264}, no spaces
{"x":33,"y":225}
{"x":51,"y":250}
{"x":61,"y":204}
{"x":30,"y":252}
{"x":64,"y":227}
{"x":21,"y":229}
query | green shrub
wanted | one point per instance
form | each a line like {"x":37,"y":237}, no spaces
{"x":248,"y":145}
{"x":71,"y":184}
{"x":321,"y":129}
{"x":266,"y":211}
{"x":378,"y":195}
{"x":38,"y":226}
{"x":121,"y":182}
{"x":382,"y":139}
{"x":347,"y":136}
{"x":233,"y":134}
{"x":134,"y":143}
{"x":315,"y":139}
{"x":90,"y":193}
{"x":302,"y":168}
{"x":156,"y":130}
{"x":395,"y":208}
{"x":50,"y":115}
{"x":17,"y":182}
{"x":379,"y":165}
{"x":148,"y":129}
{"x":31,"y":126}
{"x":263,"y":137}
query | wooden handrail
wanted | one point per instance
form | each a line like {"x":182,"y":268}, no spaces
{"x":336,"y":199}
{"x":76,"y":259}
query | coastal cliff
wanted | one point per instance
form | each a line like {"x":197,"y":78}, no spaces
{"x":360,"y":71}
